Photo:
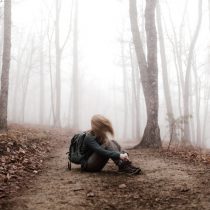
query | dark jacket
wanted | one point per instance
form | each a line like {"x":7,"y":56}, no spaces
{"x":91,"y":145}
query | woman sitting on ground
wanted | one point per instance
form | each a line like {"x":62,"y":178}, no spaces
{"x":97,"y":149}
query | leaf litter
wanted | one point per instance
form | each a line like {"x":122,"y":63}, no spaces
{"x":172,"y":179}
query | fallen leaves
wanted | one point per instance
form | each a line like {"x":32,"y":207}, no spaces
{"x":22,"y":150}
{"x":192,"y":154}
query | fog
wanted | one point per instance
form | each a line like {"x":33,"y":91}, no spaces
{"x":97,"y":63}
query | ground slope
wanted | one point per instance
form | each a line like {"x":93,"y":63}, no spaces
{"x":167,"y":183}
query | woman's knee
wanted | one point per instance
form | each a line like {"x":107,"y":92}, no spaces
{"x":115,"y":145}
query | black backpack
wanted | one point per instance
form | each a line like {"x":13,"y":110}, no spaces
{"x":74,"y":154}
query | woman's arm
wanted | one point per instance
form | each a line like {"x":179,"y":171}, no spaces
{"x":92,"y":143}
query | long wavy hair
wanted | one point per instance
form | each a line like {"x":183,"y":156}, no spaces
{"x":101,"y":127}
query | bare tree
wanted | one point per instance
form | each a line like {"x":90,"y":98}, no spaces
{"x":184,"y":80}
{"x":19,"y":61}
{"x":42,"y":80}
{"x":125,"y":86}
{"x":51,"y":79}
{"x":206,"y":109}
{"x":58,"y":64}
{"x":26,"y":79}
{"x":197,"y":102}
{"x":166,"y":88}
{"x":75,"y":70}
{"x":186,"y":136}
{"x":148,"y":70}
{"x":5,"y":65}
{"x":136,"y":92}
{"x":178,"y":53}
{"x":59,"y":51}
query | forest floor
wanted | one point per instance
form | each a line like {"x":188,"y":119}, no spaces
{"x":170,"y":180}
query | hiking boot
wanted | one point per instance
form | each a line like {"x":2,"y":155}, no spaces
{"x":137,"y":170}
{"x":127,"y":168}
{"x":132,"y":166}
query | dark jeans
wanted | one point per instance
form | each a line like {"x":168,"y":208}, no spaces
{"x":96,"y":162}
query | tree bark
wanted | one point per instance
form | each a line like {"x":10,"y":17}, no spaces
{"x":148,"y":71}
{"x":5,"y":65}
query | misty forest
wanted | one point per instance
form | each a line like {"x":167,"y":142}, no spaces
{"x":142,"y":64}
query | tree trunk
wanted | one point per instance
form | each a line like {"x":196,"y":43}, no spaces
{"x":138,"y":102}
{"x":15,"y":93}
{"x":177,"y":54}
{"x":26,"y":82}
{"x":17,"y":84}
{"x":133,"y":101}
{"x":75,"y":70}
{"x":58,"y":66}
{"x":5,"y":65}
{"x":186,"y":136}
{"x":180,"y":46}
{"x":178,"y":65}
{"x":178,"y":51}
{"x":125,"y":89}
{"x":179,"y":86}
{"x":70,"y":107}
{"x":197,"y":104}
{"x":49,"y":37}
{"x":136,"y":94}
{"x":42,"y":90}
{"x":148,"y":71}
{"x":191,"y":118}
{"x":203,"y":143}
{"x":166,"y":88}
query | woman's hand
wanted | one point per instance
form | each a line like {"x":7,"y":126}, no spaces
{"x":124,"y":156}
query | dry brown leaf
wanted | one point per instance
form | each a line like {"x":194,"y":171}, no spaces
{"x":121,"y":186}
{"x":90,"y":194}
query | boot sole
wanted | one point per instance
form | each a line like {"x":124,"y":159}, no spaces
{"x":136,"y":172}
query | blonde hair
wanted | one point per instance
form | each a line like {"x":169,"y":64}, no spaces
{"x":100,"y":127}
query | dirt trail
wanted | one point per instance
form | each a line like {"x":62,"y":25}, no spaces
{"x":166,"y":184}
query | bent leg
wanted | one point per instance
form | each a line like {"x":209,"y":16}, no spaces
{"x":97,"y":162}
